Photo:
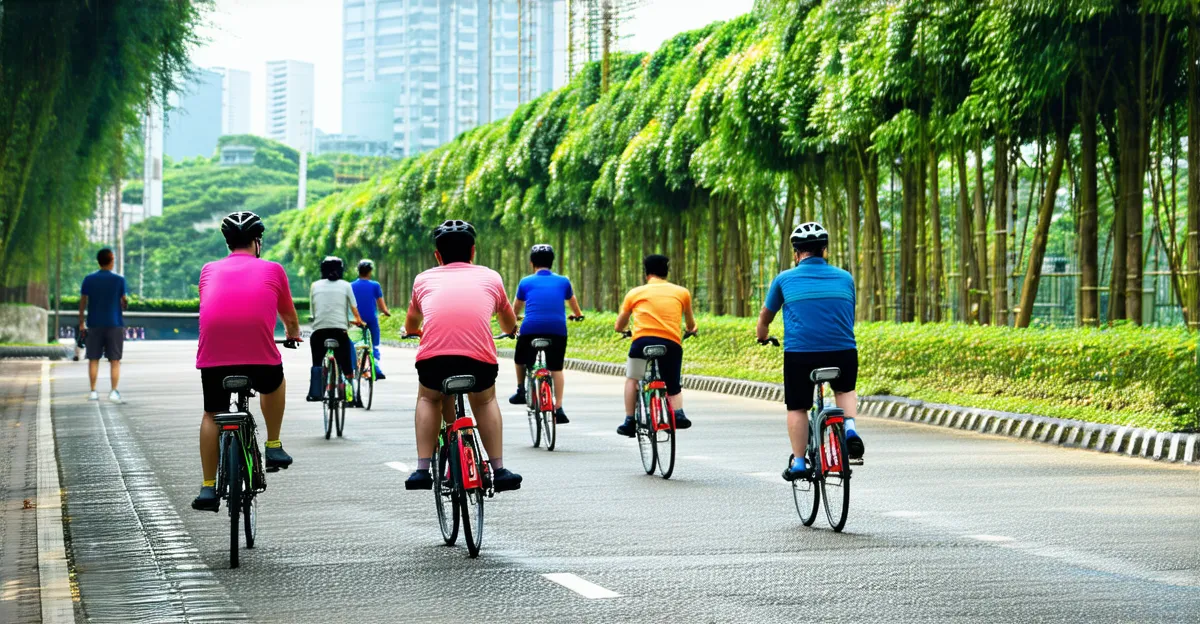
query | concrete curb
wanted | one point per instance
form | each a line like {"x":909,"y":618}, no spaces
{"x":32,"y":353}
{"x":1130,"y":441}
{"x":57,"y":604}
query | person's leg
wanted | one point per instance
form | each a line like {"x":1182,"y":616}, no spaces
{"x":797,"y":424}
{"x":373,"y":326}
{"x":428,"y":415}
{"x":114,"y":370}
{"x":631,"y":388}
{"x":345,"y":355}
{"x":676,"y":401}
{"x":491,"y":425}
{"x":272,"y":405}
{"x":559,"y":380}
{"x":520,"y":368}
{"x":93,"y":371}
{"x":848,"y":402}
{"x":209,"y":453}
{"x":114,"y":349}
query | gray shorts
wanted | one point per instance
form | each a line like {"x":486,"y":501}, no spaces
{"x":106,"y":342}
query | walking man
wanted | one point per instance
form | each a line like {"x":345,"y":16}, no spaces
{"x":102,"y":298}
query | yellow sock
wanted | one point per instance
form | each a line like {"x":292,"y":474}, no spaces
{"x":274,"y":444}
{"x":209,"y":483}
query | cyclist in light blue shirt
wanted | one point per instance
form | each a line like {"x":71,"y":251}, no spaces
{"x":368,"y":294}
{"x":817,"y":300}
{"x":542,"y":297}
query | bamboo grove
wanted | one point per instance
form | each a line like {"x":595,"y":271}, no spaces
{"x":944,"y":143}
{"x":74,"y":79}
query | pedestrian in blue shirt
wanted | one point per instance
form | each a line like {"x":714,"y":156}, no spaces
{"x":368,"y":294}
{"x":817,"y":300}
{"x":102,"y":298}
{"x":542,"y":296}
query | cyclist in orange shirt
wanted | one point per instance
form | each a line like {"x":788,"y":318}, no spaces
{"x":657,"y":309}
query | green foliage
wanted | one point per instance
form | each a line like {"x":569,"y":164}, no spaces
{"x":137,"y":304}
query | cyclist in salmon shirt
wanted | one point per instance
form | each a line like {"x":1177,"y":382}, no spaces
{"x":240,"y":296}
{"x":657,"y":310}
{"x":452,"y":308}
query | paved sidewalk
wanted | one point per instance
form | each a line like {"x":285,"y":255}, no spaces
{"x":20,"y":600}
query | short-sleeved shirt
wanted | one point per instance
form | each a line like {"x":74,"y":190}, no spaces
{"x":104,"y":290}
{"x":366,"y":293}
{"x":240,"y":298}
{"x":818,"y":307}
{"x":331,"y":302}
{"x":657,"y":309}
{"x":544,"y":293}
{"x":458,"y":301}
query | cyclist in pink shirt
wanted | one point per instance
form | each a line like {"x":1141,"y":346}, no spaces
{"x":240,"y":297}
{"x":452,"y":308}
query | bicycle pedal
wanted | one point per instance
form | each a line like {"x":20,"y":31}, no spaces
{"x":856,"y":462}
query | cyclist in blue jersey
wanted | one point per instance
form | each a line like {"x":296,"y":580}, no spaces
{"x":542,"y":296}
{"x":368,"y":294}
{"x":817,"y":300}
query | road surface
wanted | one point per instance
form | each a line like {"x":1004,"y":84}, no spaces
{"x":944,"y":525}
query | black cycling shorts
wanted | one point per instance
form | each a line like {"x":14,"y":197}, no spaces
{"x":555,"y":353}
{"x":433,"y":371}
{"x":670,"y":366}
{"x":798,"y":387}
{"x":264,"y":379}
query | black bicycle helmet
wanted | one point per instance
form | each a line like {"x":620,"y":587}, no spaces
{"x":241,"y":228}
{"x":454,"y":226}
{"x":810,"y":232}
{"x":332,"y":268}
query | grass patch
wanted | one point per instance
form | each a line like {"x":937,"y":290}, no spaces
{"x":1144,"y":377}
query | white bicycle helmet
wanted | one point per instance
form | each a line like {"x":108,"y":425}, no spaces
{"x":810,"y":232}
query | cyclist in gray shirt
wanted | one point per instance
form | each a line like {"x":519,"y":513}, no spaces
{"x":333,"y":305}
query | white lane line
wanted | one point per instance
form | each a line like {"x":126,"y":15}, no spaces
{"x":402,"y":467}
{"x":773,"y":477}
{"x":903,"y":514}
{"x":52,"y":552}
{"x":995,"y":539}
{"x":587,"y":589}
{"x":696,"y":457}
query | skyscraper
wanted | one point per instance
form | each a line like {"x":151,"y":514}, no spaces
{"x":290,"y":99}
{"x":419,"y":72}
{"x":235,"y":102}
{"x":193,"y":121}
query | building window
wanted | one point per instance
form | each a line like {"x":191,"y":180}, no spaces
{"x":391,"y":23}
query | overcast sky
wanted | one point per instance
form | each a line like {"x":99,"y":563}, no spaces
{"x":245,"y":34}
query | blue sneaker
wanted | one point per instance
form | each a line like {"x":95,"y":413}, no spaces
{"x":854,"y":445}
{"x":627,"y":428}
{"x":796,"y":470}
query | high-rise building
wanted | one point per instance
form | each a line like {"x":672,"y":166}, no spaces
{"x":235,"y":102}
{"x":193,"y":122}
{"x":417,"y":73}
{"x":290,"y":99}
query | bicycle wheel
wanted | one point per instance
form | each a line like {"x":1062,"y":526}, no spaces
{"x":443,"y":496}
{"x":233,"y":464}
{"x":835,"y":482}
{"x":645,"y":437}
{"x":549,"y":430}
{"x":365,"y":390}
{"x":807,"y":497}
{"x":327,"y":404}
{"x":340,"y":414}
{"x":471,"y":504}
{"x":664,"y":439}
{"x":531,"y":412}
{"x":250,"y":513}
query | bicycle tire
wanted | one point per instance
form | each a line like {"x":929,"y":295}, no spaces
{"x":664,"y":439}
{"x":443,"y":493}
{"x":233,"y":461}
{"x":366,"y":364}
{"x":531,"y":412}
{"x":807,"y":497}
{"x":835,"y":484}
{"x":645,"y":437}
{"x":250,"y":514}
{"x":549,"y":430}
{"x":340,"y":415}
{"x":327,"y":401}
{"x":472,"y":506}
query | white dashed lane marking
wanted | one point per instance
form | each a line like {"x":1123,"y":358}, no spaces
{"x":402,"y":467}
{"x":587,"y":589}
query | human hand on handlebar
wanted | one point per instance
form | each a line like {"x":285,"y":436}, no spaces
{"x":413,"y":336}
{"x":626,"y":333}
{"x":575,"y":318}
{"x":503,"y":336}
{"x":769,"y":340}
{"x":289,"y":342}
{"x":690,"y":334}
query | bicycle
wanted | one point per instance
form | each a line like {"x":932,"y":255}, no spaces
{"x":240,"y":478}
{"x":829,"y":466}
{"x":366,"y":371}
{"x":653,"y":416}
{"x":462,"y":476}
{"x":333,"y":399}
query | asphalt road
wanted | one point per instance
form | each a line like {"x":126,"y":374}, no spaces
{"x":944,"y":526}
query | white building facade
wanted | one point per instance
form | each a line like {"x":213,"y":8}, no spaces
{"x":290,"y":99}
{"x":235,"y":102}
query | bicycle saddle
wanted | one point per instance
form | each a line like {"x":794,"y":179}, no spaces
{"x":825,"y":374}
{"x":330,"y":343}
{"x":541,"y":343}
{"x":458,"y":384}
{"x":653,"y":351}
{"x":235,"y":383}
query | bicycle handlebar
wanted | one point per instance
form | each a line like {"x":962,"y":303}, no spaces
{"x":625,"y":334}
{"x":575,"y":318}
{"x":771,"y":340}
{"x":503,"y":336}
{"x":691,"y":334}
{"x":289,"y":343}
{"x":409,"y":336}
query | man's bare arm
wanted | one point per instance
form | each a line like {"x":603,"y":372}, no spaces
{"x":688,"y":317}
{"x":82,"y":308}
{"x":764,"y":323}
{"x":623,"y":320}
{"x":574,"y":303}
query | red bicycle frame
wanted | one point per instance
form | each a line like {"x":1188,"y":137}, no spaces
{"x":657,"y":407}
{"x":466,"y":455}
{"x":831,"y":456}
{"x":545,"y":399}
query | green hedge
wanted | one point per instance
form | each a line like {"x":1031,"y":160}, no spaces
{"x":163,"y":305}
{"x":1137,"y":376}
